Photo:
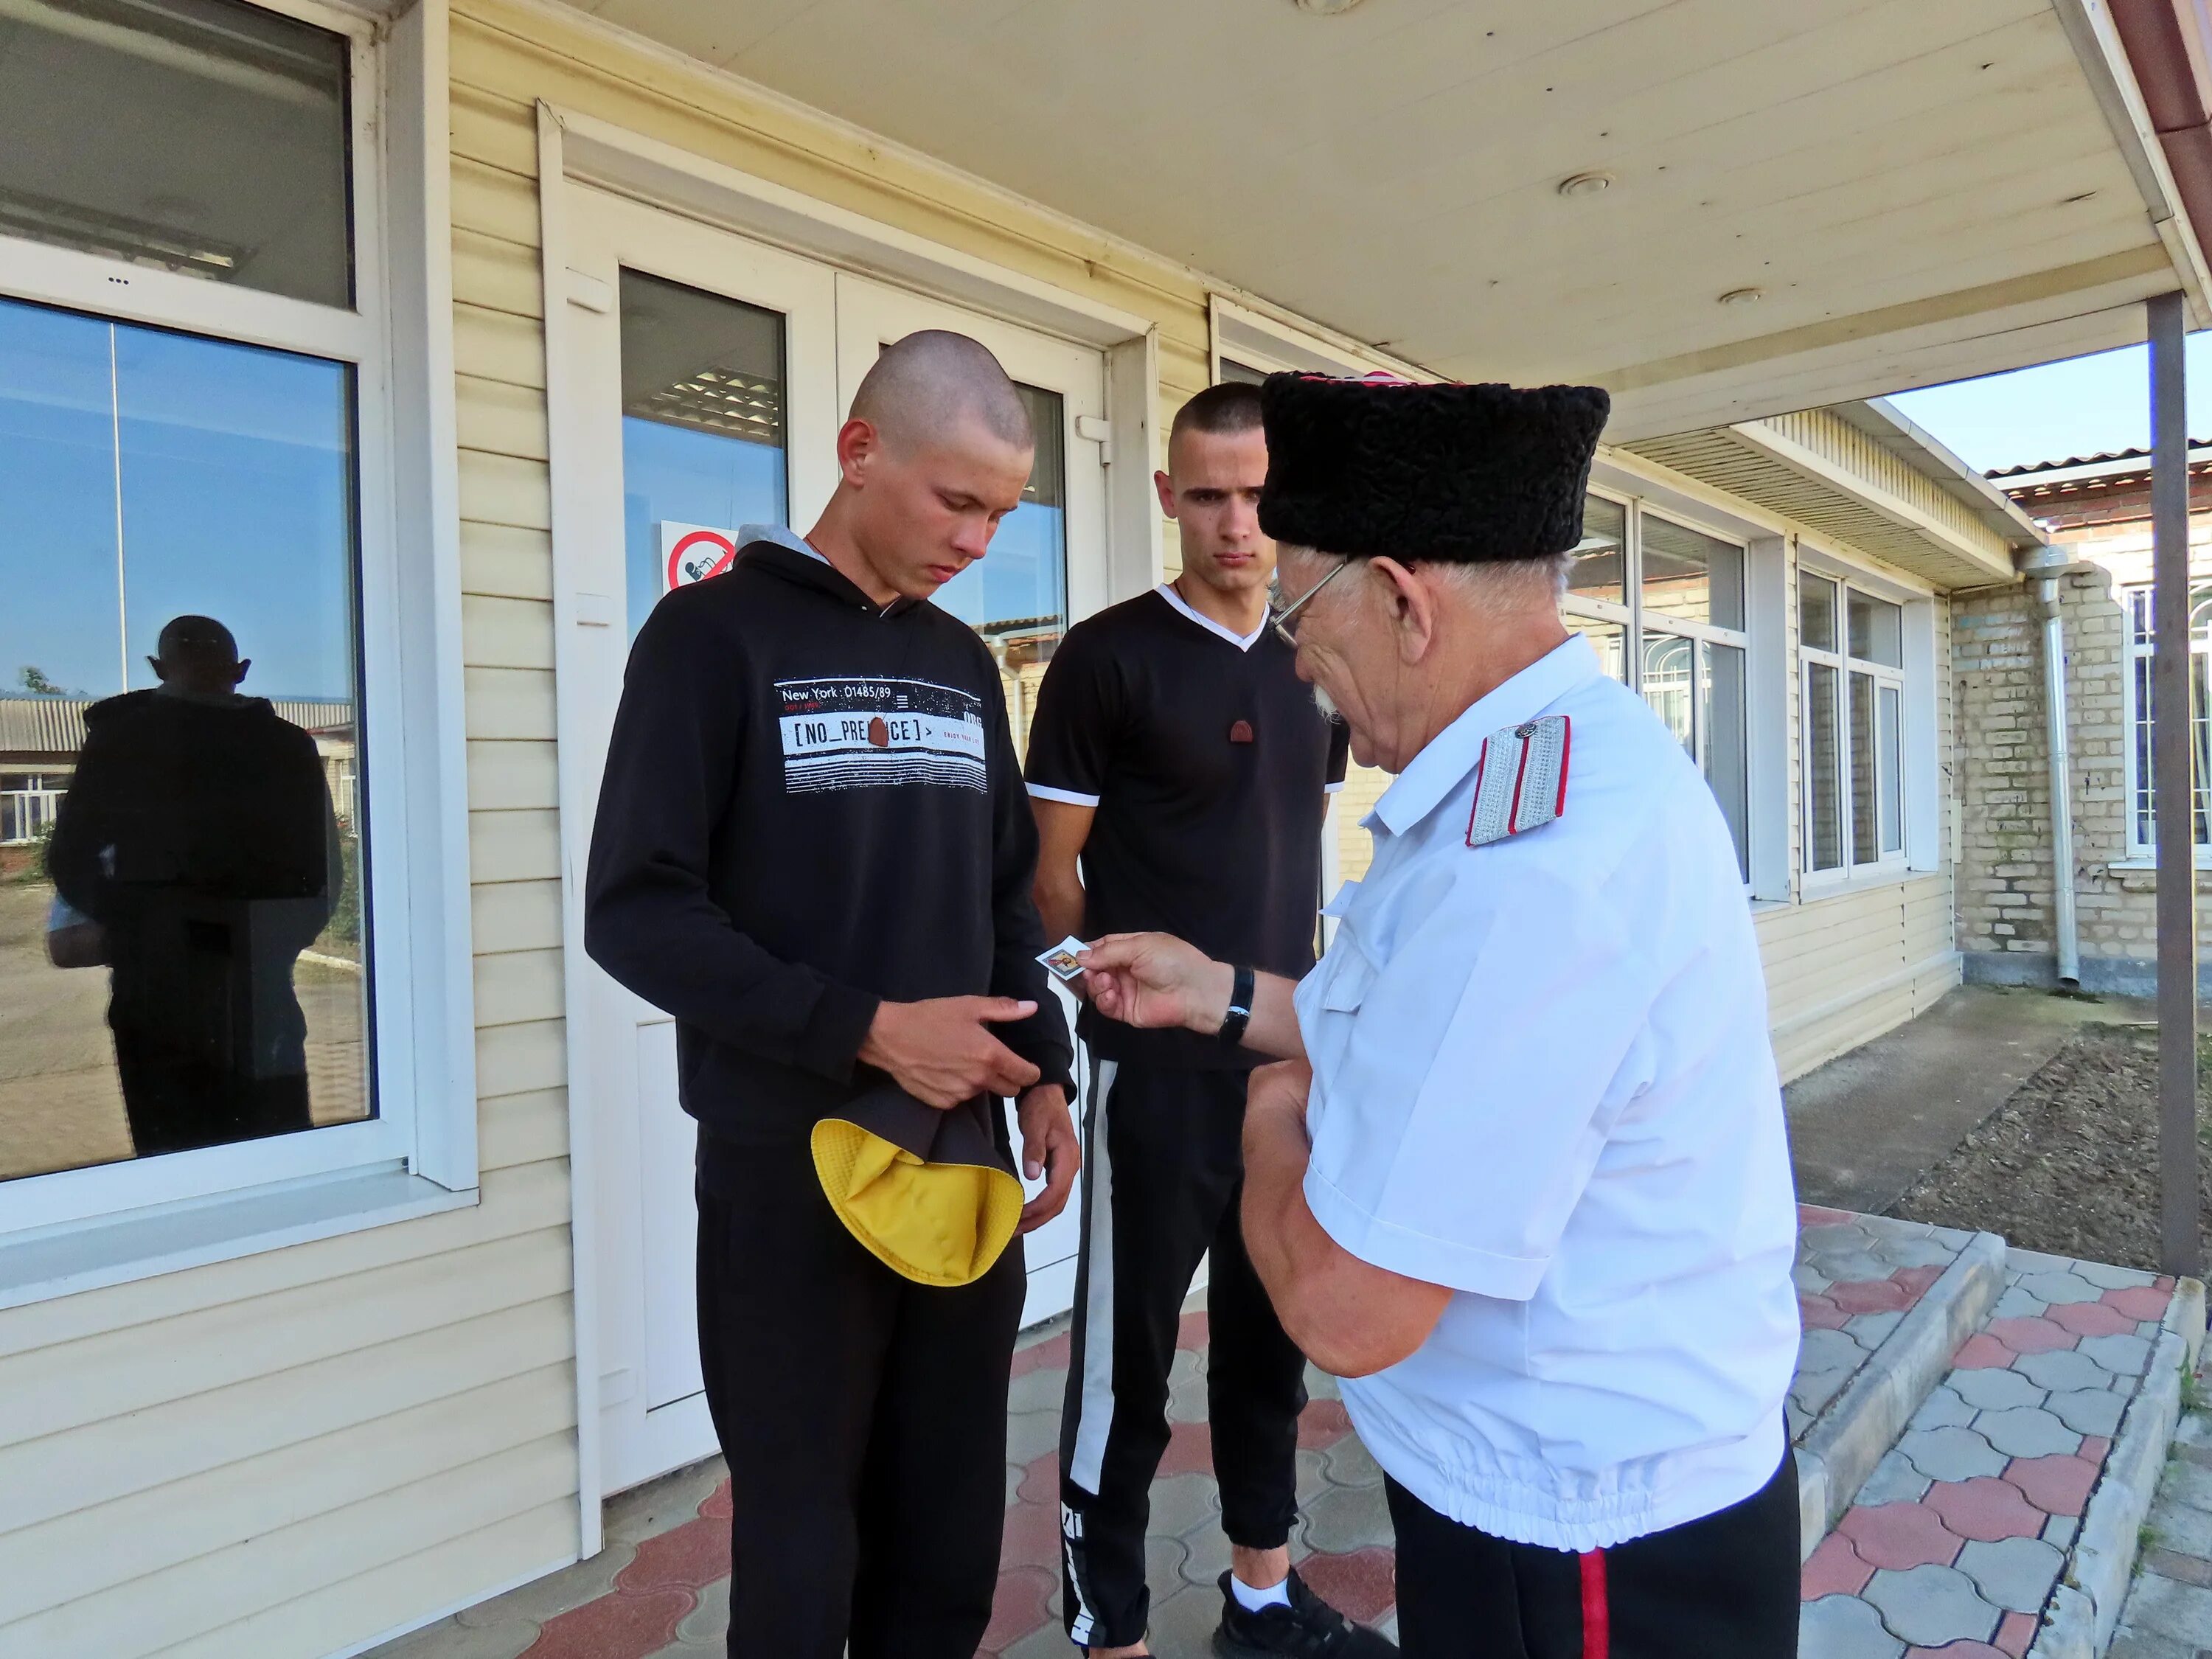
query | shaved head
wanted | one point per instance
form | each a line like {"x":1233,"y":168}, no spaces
{"x":929,"y":382}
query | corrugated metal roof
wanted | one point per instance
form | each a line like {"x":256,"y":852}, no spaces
{"x":55,"y":725}
{"x":2101,"y":457}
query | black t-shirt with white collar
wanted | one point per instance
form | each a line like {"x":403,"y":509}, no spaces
{"x":1207,"y":762}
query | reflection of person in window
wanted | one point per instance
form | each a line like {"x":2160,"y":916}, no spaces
{"x":198,"y":833}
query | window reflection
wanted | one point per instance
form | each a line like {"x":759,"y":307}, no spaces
{"x":203,"y":137}
{"x":1608,"y":639}
{"x":1691,"y":576}
{"x":1015,"y":596}
{"x":702,"y":385}
{"x":1601,"y":558}
{"x":180,"y":888}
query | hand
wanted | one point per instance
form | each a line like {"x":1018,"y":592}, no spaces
{"x":942,"y":1051}
{"x":1156,"y":981}
{"x":1275,"y":1101}
{"x":1049,"y":1149}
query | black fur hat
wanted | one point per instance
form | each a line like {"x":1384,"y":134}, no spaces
{"x":1460,"y":473}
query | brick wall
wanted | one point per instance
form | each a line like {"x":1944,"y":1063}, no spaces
{"x":2001,"y":775}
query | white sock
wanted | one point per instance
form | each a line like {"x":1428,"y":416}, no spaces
{"x":1275,"y":1595}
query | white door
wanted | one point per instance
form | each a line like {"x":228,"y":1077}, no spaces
{"x":704,"y":381}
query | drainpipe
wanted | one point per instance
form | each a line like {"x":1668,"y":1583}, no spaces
{"x":2046,"y":565}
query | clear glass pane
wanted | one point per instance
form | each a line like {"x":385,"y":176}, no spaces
{"x":1726,"y":765}
{"x":2139,"y":615}
{"x":1877,"y":630}
{"x":1670,"y":685}
{"x":2145,"y":802}
{"x":1600,"y":563}
{"x":1692,"y":576}
{"x":1865,"y":773}
{"x":1891,"y":739}
{"x":1015,"y":596}
{"x":2200,"y":737}
{"x":198,"y":135}
{"x":1816,"y":612}
{"x":1824,"y":769}
{"x":1608,"y":639}
{"x":702,"y":391}
{"x":193,"y":851}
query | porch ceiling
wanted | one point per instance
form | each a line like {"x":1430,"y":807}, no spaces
{"x":1917,"y":191}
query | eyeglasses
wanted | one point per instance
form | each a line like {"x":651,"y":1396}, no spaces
{"x":1281,"y":616}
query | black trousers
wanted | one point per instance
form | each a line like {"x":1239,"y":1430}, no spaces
{"x":1164,"y":1171}
{"x":864,"y":1417}
{"x":1723,"y":1587}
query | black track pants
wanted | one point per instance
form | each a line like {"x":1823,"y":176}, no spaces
{"x":1723,"y":1587}
{"x":1164,"y":1173}
{"x":864,"y":1421}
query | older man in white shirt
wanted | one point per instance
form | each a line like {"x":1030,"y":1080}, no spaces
{"x":1523,"y":1181}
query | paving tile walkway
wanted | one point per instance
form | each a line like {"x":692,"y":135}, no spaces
{"x":1858,"y":1276}
{"x":660,"y":1589}
{"x":1951,"y":1547}
{"x":1957,"y":1541}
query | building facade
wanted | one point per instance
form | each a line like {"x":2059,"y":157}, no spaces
{"x":424,"y":346}
{"x":2098,"y":511}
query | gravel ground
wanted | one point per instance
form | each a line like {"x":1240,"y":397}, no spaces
{"x":2069,"y":1163}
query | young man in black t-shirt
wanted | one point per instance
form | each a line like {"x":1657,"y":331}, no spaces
{"x":1177,"y":754}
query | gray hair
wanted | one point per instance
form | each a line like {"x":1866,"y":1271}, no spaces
{"x":1507,"y":586}
{"x":1499,"y":587}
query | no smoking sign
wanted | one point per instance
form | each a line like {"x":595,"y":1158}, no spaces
{"x":692,"y":552}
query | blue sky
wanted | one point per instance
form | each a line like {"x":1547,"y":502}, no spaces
{"x":2078,"y":407}
{"x":235,"y":471}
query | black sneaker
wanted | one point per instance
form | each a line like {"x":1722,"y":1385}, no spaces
{"x":1307,"y":1629}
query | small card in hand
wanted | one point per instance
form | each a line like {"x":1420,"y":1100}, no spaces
{"x":1062,"y":959}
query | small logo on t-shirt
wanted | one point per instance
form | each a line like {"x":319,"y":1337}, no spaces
{"x":862,"y":733}
{"x":1241,"y":731}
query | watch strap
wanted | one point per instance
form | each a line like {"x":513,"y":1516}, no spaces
{"x":1240,"y":986}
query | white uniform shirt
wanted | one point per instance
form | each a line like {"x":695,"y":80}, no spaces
{"x":1542,"y":1078}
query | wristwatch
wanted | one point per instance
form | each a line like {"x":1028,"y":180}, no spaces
{"x":1240,"y":1008}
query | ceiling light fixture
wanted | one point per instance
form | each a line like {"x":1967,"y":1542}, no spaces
{"x":1585,"y":184}
{"x":1743,"y":296}
{"x":1327,"y":7}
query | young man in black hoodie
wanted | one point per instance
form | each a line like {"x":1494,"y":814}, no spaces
{"x":814,"y":849}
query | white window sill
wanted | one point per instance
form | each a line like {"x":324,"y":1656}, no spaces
{"x":2148,"y":862}
{"x":87,"y":1255}
{"x":1813,"y":891}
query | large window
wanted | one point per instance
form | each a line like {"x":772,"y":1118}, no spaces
{"x":186,"y":950}
{"x":1663,"y":605}
{"x":1851,"y":645}
{"x":2140,"y":695}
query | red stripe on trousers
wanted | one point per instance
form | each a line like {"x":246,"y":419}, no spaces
{"x":1597,"y":1617}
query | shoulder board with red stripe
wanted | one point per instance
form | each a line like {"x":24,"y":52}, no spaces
{"x":1521,"y":781}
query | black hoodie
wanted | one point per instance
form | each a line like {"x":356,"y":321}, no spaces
{"x":811,"y":803}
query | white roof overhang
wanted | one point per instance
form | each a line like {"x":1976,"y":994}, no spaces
{"x":1896,"y":193}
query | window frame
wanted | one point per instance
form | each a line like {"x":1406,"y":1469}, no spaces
{"x":2135,"y":718}
{"x":415,"y":831}
{"x":1885,"y":866}
{"x":1628,"y":614}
